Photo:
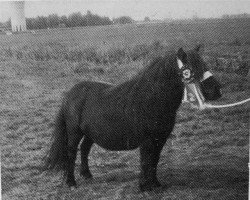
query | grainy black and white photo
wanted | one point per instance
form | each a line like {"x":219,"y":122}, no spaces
{"x":124,"y":99}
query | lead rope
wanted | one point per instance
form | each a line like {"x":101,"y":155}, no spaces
{"x":226,"y":105}
{"x":203,"y":106}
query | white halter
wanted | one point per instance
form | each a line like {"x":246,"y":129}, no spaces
{"x":193,"y":94}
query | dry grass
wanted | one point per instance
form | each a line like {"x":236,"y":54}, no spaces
{"x":205,"y":159}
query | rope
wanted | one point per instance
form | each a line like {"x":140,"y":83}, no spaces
{"x":226,"y":105}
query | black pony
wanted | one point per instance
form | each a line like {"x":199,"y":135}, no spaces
{"x":138,"y":113}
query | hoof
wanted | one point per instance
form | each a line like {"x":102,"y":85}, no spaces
{"x":73,"y":188}
{"x":71,"y":183}
{"x":149,"y":186}
{"x":86,"y":175}
{"x":156,"y":184}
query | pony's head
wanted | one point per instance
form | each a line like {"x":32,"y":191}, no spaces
{"x":194,"y":70}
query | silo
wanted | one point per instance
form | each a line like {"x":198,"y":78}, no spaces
{"x":18,"y":22}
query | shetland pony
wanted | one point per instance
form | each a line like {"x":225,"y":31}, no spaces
{"x":139,"y":113}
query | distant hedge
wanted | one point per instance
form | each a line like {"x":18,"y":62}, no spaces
{"x":73,"y":20}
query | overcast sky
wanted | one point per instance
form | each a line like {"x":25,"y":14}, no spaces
{"x":137,"y":9}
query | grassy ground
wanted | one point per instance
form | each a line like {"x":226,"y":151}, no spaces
{"x":206,"y":158}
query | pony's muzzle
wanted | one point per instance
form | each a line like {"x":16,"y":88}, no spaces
{"x":193,"y":94}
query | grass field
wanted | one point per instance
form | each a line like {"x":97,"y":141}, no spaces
{"x":206,"y":157}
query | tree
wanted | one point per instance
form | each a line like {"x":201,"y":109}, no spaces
{"x":53,"y":21}
{"x":41,"y":22}
{"x":75,"y":19}
{"x":30,"y":23}
{"x":146,"y":19}
{"x":64,"y":20}
{"x":95,"y":20}
{"x":89,"y":18}
{"x":123,"y":20}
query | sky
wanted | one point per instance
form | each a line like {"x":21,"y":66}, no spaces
{"x":137,"y":9}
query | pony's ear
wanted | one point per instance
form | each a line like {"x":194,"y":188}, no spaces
{"x":199,"y":48}
{"x":181,"y":54}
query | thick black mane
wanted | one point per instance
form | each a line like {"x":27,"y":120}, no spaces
{"x":157,"y":77}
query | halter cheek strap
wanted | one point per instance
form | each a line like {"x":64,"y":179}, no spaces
{"x":192,"y":91}
{"x":186,"y":72}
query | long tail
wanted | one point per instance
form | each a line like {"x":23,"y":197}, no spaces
{"x":57,"y":156}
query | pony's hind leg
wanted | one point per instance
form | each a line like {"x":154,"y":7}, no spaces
{"x":85,"y":149}
{"x":74,"y":138}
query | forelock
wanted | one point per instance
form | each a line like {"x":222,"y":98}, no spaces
{"x":196,"y":61}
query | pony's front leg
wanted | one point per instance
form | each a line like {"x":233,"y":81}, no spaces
{"x":149,"y":154}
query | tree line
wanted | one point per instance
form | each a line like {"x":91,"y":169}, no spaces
{"x":235,"y":16}
{"x":73,"y":20}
